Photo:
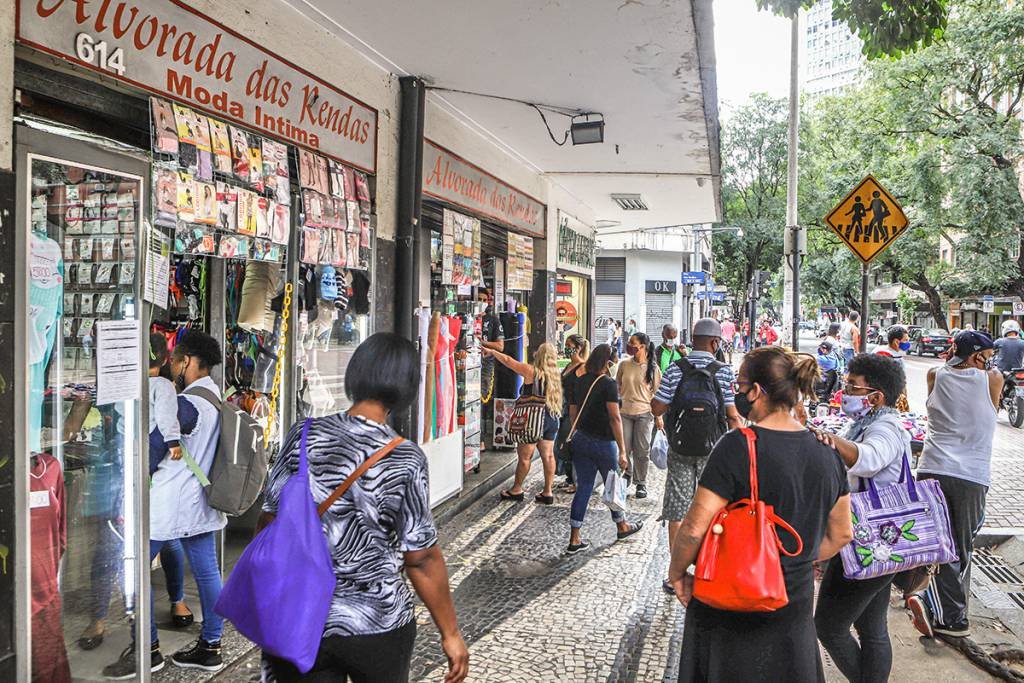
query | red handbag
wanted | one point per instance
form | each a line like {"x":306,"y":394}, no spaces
{"x":738,"y":568}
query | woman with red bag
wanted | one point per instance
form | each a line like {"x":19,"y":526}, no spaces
{"x":806,"y":483}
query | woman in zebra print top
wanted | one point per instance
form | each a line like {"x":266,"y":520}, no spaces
{"x":381,"y":527}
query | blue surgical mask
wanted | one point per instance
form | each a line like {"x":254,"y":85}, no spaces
{"x":904,"y":346}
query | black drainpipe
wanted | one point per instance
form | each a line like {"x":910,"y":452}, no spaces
{"x":409,"y":242}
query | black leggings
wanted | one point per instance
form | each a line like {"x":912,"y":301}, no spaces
{"x":378,"y":658}
{"x":864,"y":605}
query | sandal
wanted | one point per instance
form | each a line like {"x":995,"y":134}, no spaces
{"x":182,"y":620}
{"x":667,"y":586}
{"x":508,"y":495}
{"x":632,"y":530}
{"x":544,"y":500}
{"x":566,"y":488}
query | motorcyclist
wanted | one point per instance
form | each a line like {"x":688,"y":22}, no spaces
{"x":1009,"y":348}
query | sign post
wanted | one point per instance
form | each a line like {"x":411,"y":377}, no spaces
{"x":868,"y":220}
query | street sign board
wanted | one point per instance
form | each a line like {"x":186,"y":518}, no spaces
{"x":868,"y":220}
{"x":1018,"y":307}
{"x":693,"y":277}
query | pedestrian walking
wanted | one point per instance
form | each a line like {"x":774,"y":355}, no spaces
{"x":541,"y":378}
{"x":638,"y":378}
{"x":873,"y":448}
{"x":619,"y":338}
{"x":728,"y":337}
{"x":897,"y":343}
{"x":963,"y":400}
{"x":597,"y":442}
{"x":806,"y":483}
{"x":669,"y":351}
{"x":577,"y":348}
{"x":849,"y":336}
{"x":379,"y":532}
{"x":179,"y":513}
{"x":682,"y":379}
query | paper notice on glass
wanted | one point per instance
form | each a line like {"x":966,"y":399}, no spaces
{"x":118,"y":370}
{"x":158,"y":269}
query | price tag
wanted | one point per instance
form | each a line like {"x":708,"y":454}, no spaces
{"x":39,"y":499}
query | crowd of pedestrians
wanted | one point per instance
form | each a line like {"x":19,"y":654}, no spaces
{"x":600,"y":416}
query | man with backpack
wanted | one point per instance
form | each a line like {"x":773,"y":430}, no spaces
{"x":696,"y":397}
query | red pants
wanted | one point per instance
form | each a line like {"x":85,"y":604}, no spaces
{"x":49,"y":658}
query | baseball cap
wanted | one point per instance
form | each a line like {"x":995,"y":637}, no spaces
{"x":707,"y":327}
{"x":967,"y":343}
{"x":826,"y":344}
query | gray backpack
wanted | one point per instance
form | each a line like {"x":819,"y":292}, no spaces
{"x":240,"y":466}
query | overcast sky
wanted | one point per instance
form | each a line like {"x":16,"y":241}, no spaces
{"x":752,"y":49}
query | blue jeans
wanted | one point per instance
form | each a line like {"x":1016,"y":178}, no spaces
{"x":202,"y":558}
{"x":589,"y":457}
{"x":848,"y":354}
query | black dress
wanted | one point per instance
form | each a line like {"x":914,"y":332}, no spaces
{"x":803,"y":479}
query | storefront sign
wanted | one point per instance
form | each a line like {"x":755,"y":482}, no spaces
{"x":168,"y":48}
{"x":661,"y":286}
{"x":520,"y":262}
{"x":452,"y":179}
{"x":576,"y":245}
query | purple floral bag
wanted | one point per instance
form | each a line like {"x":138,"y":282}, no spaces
{"x":898,"y":527}
{"x":279,"y":594}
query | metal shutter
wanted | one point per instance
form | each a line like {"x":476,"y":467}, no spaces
{"x":659,"y":313}
{"x":610,"y":268}
{"x":607,"y":306}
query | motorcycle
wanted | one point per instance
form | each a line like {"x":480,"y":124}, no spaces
{"x":1012,"y":400}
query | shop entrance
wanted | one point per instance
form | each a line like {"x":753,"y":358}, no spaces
{"x":82,"y":427}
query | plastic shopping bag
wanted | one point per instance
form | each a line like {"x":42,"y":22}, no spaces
{"x":659,"y":450}
{"x":614,"y":496}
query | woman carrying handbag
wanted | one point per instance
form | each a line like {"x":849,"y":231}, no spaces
{"x":780,"y":465}
{"x":873,"y":448}
{"x":596,"y":441}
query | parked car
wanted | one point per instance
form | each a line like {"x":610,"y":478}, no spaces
{"x":930,"y":340}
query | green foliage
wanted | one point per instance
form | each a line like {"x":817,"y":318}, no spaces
{"x":887,"y":28}
{"x":754,"y":141}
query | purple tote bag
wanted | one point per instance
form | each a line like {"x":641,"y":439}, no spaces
{"x":279,"y":594}
{"x":898,"y":527}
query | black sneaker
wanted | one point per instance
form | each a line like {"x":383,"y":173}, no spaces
{"x":124,"y":668}
{"x":202,"y":655}
{"x":641,"y":491}
{"x":961,"y":629}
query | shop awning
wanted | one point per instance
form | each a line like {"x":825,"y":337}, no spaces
{"x":649,"y":68}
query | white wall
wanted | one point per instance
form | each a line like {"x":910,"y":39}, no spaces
{"x":643,"y":265}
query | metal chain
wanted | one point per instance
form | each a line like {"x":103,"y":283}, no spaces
{"x":282,"y":346}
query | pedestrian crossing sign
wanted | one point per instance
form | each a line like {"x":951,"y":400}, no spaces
{"x":868,"y":220}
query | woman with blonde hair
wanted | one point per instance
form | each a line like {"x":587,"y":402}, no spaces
{"x":541,"y":378}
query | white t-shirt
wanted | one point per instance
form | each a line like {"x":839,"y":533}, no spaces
{"x":846,"y":332}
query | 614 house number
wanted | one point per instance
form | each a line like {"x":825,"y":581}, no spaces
{"x":92,"y":52}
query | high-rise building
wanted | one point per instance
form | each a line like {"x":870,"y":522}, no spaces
{"x":832,"y":55}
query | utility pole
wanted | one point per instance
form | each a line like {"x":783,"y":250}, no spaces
{"x":795,"y":242}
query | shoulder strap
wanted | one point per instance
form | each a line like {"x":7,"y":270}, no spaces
{"x":359,"y":471}
{"x":204,"y":393}
{"x":582,"y":407}
{"x":752,"y":457}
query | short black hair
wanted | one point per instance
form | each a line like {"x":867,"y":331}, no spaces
{"x":896,"y":332}
{"x":384,"y":368}
{"x":157,"y":350}
{"x":833,"y":329}
{"x":200,"y":346}
{"x":882,"y":373}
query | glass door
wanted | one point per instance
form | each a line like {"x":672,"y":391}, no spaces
{"x":83,"y":371}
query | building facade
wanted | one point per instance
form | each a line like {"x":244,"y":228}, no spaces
{"x":831,"y":58}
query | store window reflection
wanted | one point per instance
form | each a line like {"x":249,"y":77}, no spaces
{"x":83,"y":230}
{"x":334,"y":307}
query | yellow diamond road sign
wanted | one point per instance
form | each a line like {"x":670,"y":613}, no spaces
{"x":868,"y":220}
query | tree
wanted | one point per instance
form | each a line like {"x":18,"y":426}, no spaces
{"x":754,"y":142}
{"x":886,"y":28}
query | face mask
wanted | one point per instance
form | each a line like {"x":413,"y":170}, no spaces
{"x":179,"y":381}
{"x":569,"y":353}
{"x":669,"y":343}
{"x":904,"y":346}
{"x":631,"y":350}
{"x":988,"y":363}
{"x":856,"y":406}
{"x":744,"y":405}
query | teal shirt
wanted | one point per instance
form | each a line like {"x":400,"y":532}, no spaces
{"x":667,"y":357}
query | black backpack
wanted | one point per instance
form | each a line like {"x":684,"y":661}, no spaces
{"x":696,"y":418}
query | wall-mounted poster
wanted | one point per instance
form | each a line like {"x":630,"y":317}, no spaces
{"x":460,"y":249}
{"x":519,"y":274}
